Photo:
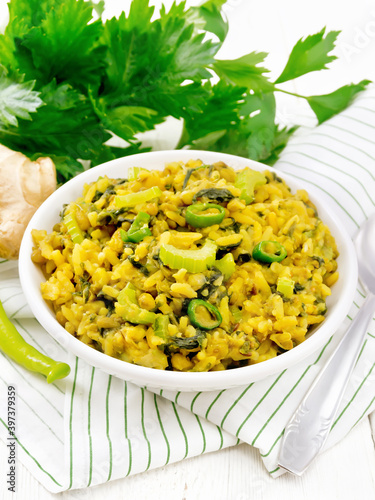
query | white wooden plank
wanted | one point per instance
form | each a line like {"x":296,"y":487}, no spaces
{"x":345,"y":471}
{"x":372,"y":423}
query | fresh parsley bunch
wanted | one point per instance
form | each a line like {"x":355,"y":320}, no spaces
{"x":68,"y":83}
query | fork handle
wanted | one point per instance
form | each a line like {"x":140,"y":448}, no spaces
{"x":308,"y":429}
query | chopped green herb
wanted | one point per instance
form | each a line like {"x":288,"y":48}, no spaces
{"x":219,"y":195}
{"x":188,"y":343}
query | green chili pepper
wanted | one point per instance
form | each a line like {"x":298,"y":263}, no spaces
{"x":204,"y":315}
{"x":269,"y":251}
{"x":14,"y":346}
{"x":138,"y":230}
{"x":196,"y":218}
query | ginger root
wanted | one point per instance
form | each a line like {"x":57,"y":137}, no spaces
{"x":24,"y":185}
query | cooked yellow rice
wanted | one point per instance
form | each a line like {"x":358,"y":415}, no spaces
{"x":83,"y":280}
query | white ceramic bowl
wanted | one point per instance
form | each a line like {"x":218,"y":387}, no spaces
{"x":48,"y":214}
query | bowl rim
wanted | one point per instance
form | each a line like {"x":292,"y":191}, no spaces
{"x":173,"y":380}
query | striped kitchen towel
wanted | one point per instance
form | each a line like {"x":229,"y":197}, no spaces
{"x":92,"y":428}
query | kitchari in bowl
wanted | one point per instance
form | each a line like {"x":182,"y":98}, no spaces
{"x":194,"y":268}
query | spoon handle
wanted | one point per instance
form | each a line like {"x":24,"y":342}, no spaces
{"x":309,"y":427}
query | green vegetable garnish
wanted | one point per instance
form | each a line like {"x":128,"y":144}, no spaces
{"x":236,"y":313}
{"x":194,"y":261}
{"x":132,"y":199}
{"x":214,"y":194}
{"x":226,"y":265}
{"x":204,"y":315}
{"x":247,"y":180}
{"x":133,"y":172}
{"x":127,"y":307}
{"x":68,"y":82}
{"x":189,"y":172}
{"x":285,"y":286}
{"x":73,"y":228}
{"x":204,"y":214}
{"x":161,"y":326}
{"x":269,"y":251}
{"x":138,"y":230}
{"x":14,"y":346}
{"x":175,"y":343}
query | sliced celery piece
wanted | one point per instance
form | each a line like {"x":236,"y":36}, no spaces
{"x":247,"y":180}
{"x":132,"y":199}
{"x":127,"y":307}
{"x":285,"y":286}
{"x":161,"y":326}
{"x":236,"y":313}
{"x":73,"y":228}
{"x":194,"y":261}
{"x":226,"y":266}
{"x":133,"y":172}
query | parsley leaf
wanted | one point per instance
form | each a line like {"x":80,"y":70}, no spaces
{"x":64,"y":46}
{"x":23,"y":15}
{"x":309,"y":54}
{"x":218,"y":114}
{"x":214,"y":3}
{"x":153,"y":58}
{"x":244,"y":126}
{"x":17,"y":99}
{"x":149,"y":64}
{"x":281,"y":137}
{"x":108,"y":153}
{"x":97,"y":6}
{"x":245,"y":71}
{"x":65,"y":126}
{"x":70,"y":82}
{"x":255,"y":134}
{"x":328,"y":105}
{"x":126,"y":121}
{"x":259,"y":111}
{"x":208,"y":17}
{"x":66,"y":166}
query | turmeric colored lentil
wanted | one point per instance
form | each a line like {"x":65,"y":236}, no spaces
{"x":130,"y":299}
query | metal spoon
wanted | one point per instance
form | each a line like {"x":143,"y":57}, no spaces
{"x":309,"y":427}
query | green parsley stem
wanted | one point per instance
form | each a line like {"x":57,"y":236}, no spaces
{"x":290,"y":93}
